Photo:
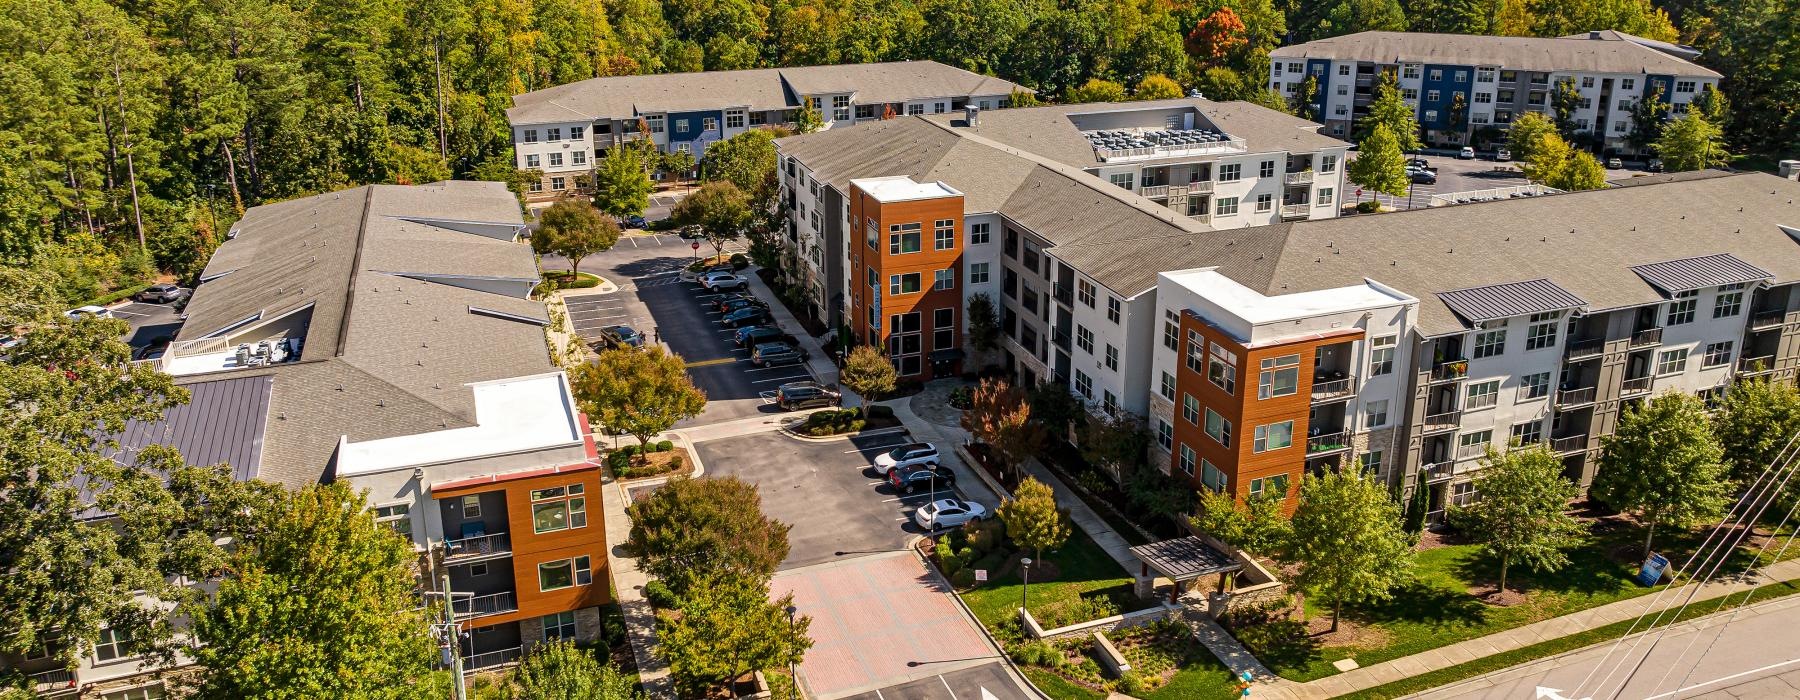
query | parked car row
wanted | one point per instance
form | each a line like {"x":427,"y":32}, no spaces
{"x":917,"y":467}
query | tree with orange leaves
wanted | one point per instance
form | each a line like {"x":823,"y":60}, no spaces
{"x":1216,"y":36}
{"x":1000,"y":417}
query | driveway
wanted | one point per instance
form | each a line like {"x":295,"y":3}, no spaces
{"x":149,"y":322}
{"x":986,"y":681}
{"x":826,"y":489}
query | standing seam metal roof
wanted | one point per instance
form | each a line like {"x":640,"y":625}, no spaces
{"x":1489,"y":302}
{"x":1674,"y":276}
{"x":223,"y":423}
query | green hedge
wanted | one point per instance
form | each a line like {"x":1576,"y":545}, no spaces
{"x":560,"y":280}
{"x":833,"y":422}
{"x":130,"y":291}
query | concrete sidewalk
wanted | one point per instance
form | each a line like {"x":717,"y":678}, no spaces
{"x":1091,"y":523}
{"x":1527,"y":635}
{"x":640,"y":617}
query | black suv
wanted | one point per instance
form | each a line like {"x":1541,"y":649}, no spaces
{"x":798,"y":395}
{"x":752,"y":336}
{"x":919,"y":478}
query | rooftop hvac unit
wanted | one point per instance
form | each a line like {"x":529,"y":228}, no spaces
{"x":972,"y":115}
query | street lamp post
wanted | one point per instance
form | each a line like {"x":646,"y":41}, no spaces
{"x":793,"y":672}
{"x":1025,"y":589}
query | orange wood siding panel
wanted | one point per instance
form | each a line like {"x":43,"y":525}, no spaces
{"x":530,"y":548}
{"x":926,"y":262}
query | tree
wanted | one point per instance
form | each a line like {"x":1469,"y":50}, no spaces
{"x":807,"y":119}
{"x":1692,"y":143}
{"x":984,"y":323}
{"x":1096,"y":90}
{"x":1023,"y":98}
{"x":562,"y":671}
{"x":1157,"y":86}
{"x":1663,"y":465}
{"x":1522,"y":512}
{"x":1710,"y":103}
{"x":727,"y":628}
{"x":574,"y":229}
{"x":868,"y":373}
{"x":1000,"y":417}
{"x":1754,"y":423}
{"x":1459,"y":110}
{"x":1752,"y":42}
{"x":1526,"y":133}
{"x":1115,"y":443}
{"x":1564,"y":100}
{"x":1216,"y":36}
{"x":324,"y":589}
{"x":621,"y":183}
{"x":1256,"y":525}
{"x":1389,"y":110}
{"x":719,"y":208}
{"x":1582,"y":171}
{"x":640,"y":392}
{"x":693,"y":529}
{"x":1032,"y":518}
{"x":1348,"y":541}
{"x":1550,"y":155}
{"x":1379,"y":165}
{"x":746,"y":160}
{"x":678,"y":162}
{"x":1648,"y":116}
{"x":1302,"y":104}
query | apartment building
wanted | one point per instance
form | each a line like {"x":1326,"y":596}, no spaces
{"x":384,"y":335}
{"x":1005,"y":194}
{"x":1461,"y":84}
{"x":560,"y":131}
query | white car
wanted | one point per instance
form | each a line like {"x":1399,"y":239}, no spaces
{"x":905,"y":456}
{"x":86,"y":311}
{"x":948,"y":512}
{"x":722,"y":281}
{"x":1467,"y":153}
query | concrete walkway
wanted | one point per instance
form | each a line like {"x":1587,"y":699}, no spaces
{"x":1519,"y":637}
{"x":1091,"y":523}
{"x":973,"y":483}
{"x":640,"y":618}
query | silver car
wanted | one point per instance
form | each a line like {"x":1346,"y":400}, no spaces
{"x":948,"y":512}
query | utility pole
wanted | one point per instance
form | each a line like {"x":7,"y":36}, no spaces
{"x":438,"y":60}
{"x":452,"y":636}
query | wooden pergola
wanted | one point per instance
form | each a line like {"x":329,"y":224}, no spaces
{"x":1183,"y":560}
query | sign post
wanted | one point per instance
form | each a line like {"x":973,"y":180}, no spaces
{"x":1652,"y":570}
{"x":696,"y":246}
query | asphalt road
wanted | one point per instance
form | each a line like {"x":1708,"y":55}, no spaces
{"x":149,"y":322}
{"x":1754,"y":655}
{"x":985,"y":682}
{"x":826,"y":490}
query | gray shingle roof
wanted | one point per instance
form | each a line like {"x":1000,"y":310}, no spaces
{"x":759,"y":89}
{"x":1512,"y":52}
{"x":1495,"y":301}
{"x":1686,"y":274}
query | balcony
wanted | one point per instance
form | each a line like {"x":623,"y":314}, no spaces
{"x":1768,"y":320}
{"x":1569,"y":444}
{"x":1332,"y":389}
{"x":1154,"y":191}
{"x":1296,"y":211}
{"x":489,"y":659}
{"x":477,"y":548}
{"x":1439,"y":472}
{"x":1633,"y":387}
{"x":1441,"y":421}
{"x":1304,"y":177}
{"x":1327,"y":444}
{"x":1450,"y":371}
{"x":485,"y":605}
{"x":1197,"y":187}
{"x":1649,"y":337}
{"x":1752,"y":366}
{"x":1570,"y":398}
{"x":1585,"y":348}
{"x":53,"y":682}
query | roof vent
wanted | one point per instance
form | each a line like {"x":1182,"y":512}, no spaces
{"x":972,"y":116}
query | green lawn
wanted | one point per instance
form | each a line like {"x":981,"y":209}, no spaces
{"x":1086,"y":573}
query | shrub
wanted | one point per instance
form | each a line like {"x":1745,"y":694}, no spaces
{"x":963,"y":578}
{"x":879,"y":411}
{"x":698,"y":265}
{"x":1076,"y":611}
{"x":665,"y":446}
{"x":962,"y":397}
{"x":947,"y":558}
{"x":965,"y":555}
{"x":1368,"y":207}
{"x":739,"y":261}
{"x":1136,"y":683}
{"x":1039,"y":653}
{"x":993,"y":561}
{"x":659,"y":595}
{"x":986,"y":536}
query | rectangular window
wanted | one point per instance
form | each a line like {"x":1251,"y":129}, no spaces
{"x":553,"y":134}
{"x":1231,"y":172}
{"x":557,"y":183}
{"x":1187,"y":460}
{"x":111,"y":644}
{"x":1084,"y":339}
{"x":1729,"y":302}
{"x":396,"y":517}
{"x":155,"y":691}
{"x":1123,"y":180}
{"x":1112,"y":309}
{"x":1328,"y":164}
{"x":1478,"y":439}
{"x":1218,"y":428}
{"x":1265,"y":203}
{"x":1171,"y":330}
{"x":1484,"y":75}
{"x":1682,"y":309}
{"x":558,"y":508}
{"x":531,"y":136}
{"x":1226,"y":206}
{"x":681,"y":126}
{"x":1627,"y":84}
{"x":734,"y":120}
{"x":1527,"y":433}
{"x":1266,"y":169}
{"x":1482,"y":98}
{"x":532,"y":160}
{"x":1344,"y":69}
{"x":907,"y":283}
{"x":1270,"y":486}
{"x":1325,"y":196}
{"x":1381,"y":355}
{"x":1717,"y":354}
{"x":1211,"y":477}
{"x":903,"y":239}
{"x":1482,"y":395}
{"x":1684,"y":86}
{"x":1084,"y":292}
{"x":709,"y":124}
{"x":1436,"y":74}
{"x":1280,"y":376}
{"x":1672,"y":361}
{"x":1084,"y":384}
{"x":556,"y":160}
{"x":1409,"y":94}
{"x":655,"y":123}
{"x":1490,"y":343}
{"x":1542,"y":331}
{"x":1587,"y":81}
{"x":1375,"y":414}
{"x":1196,"y":352}
{"x":1432,"y":95}
{"x":979,"y":234}
{"x":564,"y":573}
{"x":471,"y":507}
{"x":943,"y":234}
{"x":1370,"y":463}
{"x":1112,"y":358}
{"x":578,"y":157}
{"x":559,"y":626}
{"x":944,"y":280}
{"x":1168,"y":386}
{"x":978,"y":273}
{"x":1534,"y":386}
{"x":1190,"y":409}
{"x":1221,"y":368}
{"x":1274,"y":436}
{"x":1165,"y":434}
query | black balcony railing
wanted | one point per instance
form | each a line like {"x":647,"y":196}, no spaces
{"x":1765,"y":320}
{"x":1327,"y":443}
{"x":488,"y":659}
{"x":1328,"y":389}
{"x":478,"y":546}
{"x":1451,"y":370}
{"x":1646,"y":337}
{"x":484,"y":605}
{"x":1586,"y":348}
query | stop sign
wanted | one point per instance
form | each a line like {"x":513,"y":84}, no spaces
{"x":695,"y":245}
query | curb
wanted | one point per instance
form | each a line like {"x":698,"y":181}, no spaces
{"x":964,"y":606}
{"x":788,"y":431}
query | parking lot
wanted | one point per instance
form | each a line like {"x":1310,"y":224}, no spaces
{"x":151,"y":324}
{"x":827,"y":490}
{"x":1456,"y":175}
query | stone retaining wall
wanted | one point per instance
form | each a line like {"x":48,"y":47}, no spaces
{"x":1128,"y":620}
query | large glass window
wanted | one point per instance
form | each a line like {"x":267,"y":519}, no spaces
{"x":1218,"y":428}
{"x":1280,"y":377}
{"x":943,"y":234}
{"x":558,"y":508}
{"x":1717,"y":354}
{"x":903,"y":238}
{"x":1190,"y":409}
{"x":1168,"y":386}
{"x":1211,"y":476}
{"x":1534,"y":386}
{"x":1221,"y":368}
{"x":1171,"y":330}
{"x":1084,"y":339}
{"x":1084,"y":292}
{"x":903,"y":284}
{"x":1482,"y":395}
{"x":1682,"y":309}
{"x":1729,"y":302}
{"x":111,"y":644}
{"x":1490,"y":343}
{"x":1274,"y":436}
{"x":1196,"y":351}
{"x":1270,"y":486}
{"x":559,"y":626}
{"x":398,"y":517}
{"x":1381,"y":355}
{"x":1542,"y":331}
{"x":1187,"y":460}
{"x":1672,"y":361}
{"x":563,"y":573}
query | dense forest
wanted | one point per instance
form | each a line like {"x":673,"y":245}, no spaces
{"x":134,"y":131}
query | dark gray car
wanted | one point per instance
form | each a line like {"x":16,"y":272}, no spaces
{"x":772,"y":354}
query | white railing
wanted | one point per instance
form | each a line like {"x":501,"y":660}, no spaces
{"x":1200,"y":187}
{"x":1295,"y":210}
{"x":1154,"y":191}
{"x":1331,"y":389}
{"x":1756,"y":365}
{"x":1234,"y":145}
{"x":1491,"y":194}
{"x":480,"y":545}
{"x":203,"y":346}
{"x":1635,"y":386}
{"x":1300,"y":178}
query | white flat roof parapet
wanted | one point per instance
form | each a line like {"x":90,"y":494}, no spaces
{"x":1249,"y":308}
{"x":900,"y":188}
{"x":516,"y":415}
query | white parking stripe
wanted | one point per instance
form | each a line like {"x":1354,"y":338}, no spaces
{"x":782,"y":379}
